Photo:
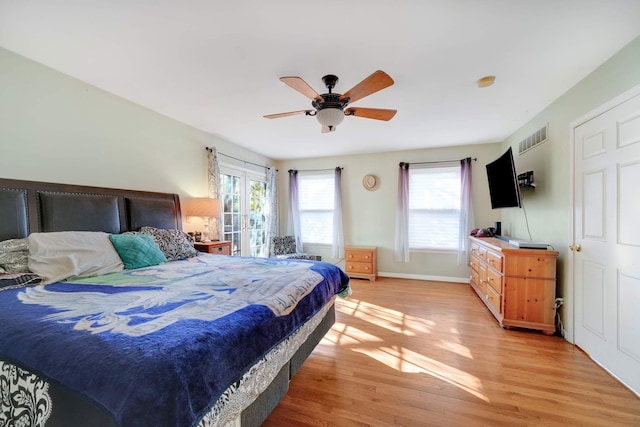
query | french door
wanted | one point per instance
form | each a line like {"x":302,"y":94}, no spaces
{"x":243,"y":218}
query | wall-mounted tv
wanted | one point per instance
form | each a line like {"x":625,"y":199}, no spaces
{"x":503,"y":182}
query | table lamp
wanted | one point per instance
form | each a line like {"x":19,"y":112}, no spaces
{"x":207,"y":208}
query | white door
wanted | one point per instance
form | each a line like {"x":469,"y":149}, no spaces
{"x":606,"y":249}
{"x":243,"y":218}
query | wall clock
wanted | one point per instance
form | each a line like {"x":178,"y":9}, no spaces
{"x":370,"y":182}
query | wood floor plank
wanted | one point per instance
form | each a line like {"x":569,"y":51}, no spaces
{"x":418,"y":353}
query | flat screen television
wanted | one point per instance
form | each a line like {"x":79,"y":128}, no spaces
{"x":503,"y":182}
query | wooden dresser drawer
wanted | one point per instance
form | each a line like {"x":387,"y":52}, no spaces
{"x":359,"y":267}
{"x":482,"y":253}
{"x":493,"y":298}
{"x":494,"y":279}
{"x":494,"y":260}
{"x":475,"y":263}
{"x":475,"y":277}
{"x":475,"y":249}
{"x":359,"y":255}
{"x":540,"y":265}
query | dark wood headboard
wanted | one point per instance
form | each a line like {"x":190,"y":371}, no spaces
{"x":29,"y":206}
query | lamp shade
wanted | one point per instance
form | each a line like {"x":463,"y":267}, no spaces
{"x":330,"y":116}
{"x":204,"y":207}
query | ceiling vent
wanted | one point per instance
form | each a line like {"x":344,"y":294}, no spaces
{"x":538,"y":137}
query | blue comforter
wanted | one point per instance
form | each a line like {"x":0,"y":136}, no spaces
{"x":157,"y":346}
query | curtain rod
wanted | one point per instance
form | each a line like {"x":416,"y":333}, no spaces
{"x":240,"y":160}
{"x":439,"y":161}
{"x":313,"y":170}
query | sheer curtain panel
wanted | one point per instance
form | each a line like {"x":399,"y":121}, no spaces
{"x":271,"y":210}
{"x":466,"y":211}
{"x":402,"y":215}
{"x":294,"y":209}
{"x":213,"y":180}
{"x":338,"y":236}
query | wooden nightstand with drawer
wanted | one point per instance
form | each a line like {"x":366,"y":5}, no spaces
{"x":221,"y":247}
{"x":360,"y":262}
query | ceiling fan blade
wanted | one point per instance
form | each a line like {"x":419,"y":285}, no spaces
{"x":327,"y":129}
{"x":301,"y":86}
{"x":372,"y":84}
{"x":371,"y":113}
{"x":290,"y":113}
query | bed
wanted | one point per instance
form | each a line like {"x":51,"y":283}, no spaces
{"x":201,"y":341}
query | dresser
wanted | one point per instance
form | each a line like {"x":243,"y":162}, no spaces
{"x":518,"y":286}
{"x":220,"y":247}
{"x":360,"y":262}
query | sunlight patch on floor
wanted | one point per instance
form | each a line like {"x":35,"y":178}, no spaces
{"x":392,"y":320}
{"x":398,"y":357}
{"x":342,"y":334}
{"x":405,"y":360}
{"x":455,"y":347}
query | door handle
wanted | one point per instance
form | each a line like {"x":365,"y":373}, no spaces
{"x":575,"y":248}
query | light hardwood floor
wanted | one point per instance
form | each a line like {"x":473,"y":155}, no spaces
{"x":414,"y":353}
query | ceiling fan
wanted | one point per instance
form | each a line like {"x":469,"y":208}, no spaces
{"x":330,"y":108}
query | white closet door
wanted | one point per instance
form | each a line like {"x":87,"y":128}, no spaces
{"x":606,"y":249}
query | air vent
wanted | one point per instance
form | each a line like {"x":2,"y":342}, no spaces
{"x":538,"y":137}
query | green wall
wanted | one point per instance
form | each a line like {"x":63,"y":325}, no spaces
{"x":55,"y":128}
{"x":548,"y":207}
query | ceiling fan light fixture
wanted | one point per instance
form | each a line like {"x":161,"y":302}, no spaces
{"x":330,"y":117}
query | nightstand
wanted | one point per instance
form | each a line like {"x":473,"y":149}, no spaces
{"x":360,"y":262}
{"x":220,"y":247}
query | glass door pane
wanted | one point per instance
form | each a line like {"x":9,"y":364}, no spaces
{"x":257,"y":221}
{"x":244,"y":202}
{"x":231,"y":212}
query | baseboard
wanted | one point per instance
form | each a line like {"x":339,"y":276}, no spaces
{"x":424,"y":277}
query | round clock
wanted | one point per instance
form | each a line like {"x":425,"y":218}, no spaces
{"x":370,"y":182}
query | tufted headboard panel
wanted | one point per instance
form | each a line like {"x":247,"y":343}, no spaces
{"x":30,"y":206}
{"x":13,"y":213}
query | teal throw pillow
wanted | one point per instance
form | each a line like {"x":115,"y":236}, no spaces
{"x":137,"y":250}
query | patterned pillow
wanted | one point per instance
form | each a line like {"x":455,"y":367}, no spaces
{"x":137,"y":250}
{"x":284,"y":245}
{"x":18,"y":280}
{"x":14,"y":256}
{"x":173,"y":243}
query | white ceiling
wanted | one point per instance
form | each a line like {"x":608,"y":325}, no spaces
{"x":215,"y":64}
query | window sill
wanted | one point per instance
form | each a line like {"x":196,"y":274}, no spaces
{"x":434,"y":251}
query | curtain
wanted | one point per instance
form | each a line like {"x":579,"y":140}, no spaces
{"x":402,"y":215}
{"x":213,"y":179}
{"x":271,"y":211}
{"x":294,"y":209}
{"x":338,"y":236}
{"x":466,"y":211}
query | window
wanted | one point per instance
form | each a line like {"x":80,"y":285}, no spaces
{"x":434,"y":207}
{"x":315,"y":203}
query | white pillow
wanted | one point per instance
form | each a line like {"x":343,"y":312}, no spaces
{"x":62,"y":255}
